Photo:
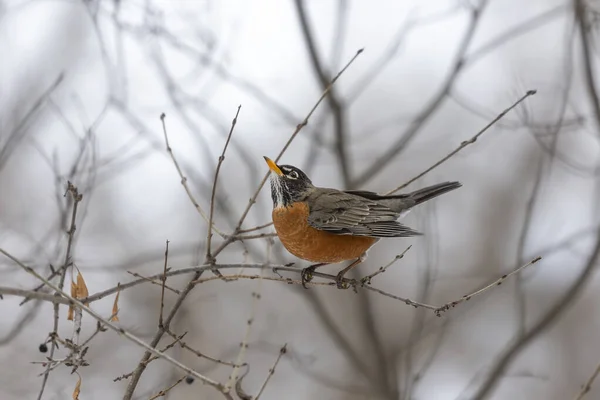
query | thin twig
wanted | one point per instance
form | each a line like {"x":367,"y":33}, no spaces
{"x":569,"y":297}
{"x":256,"y":228}
{"x":405,"y":300}
{"x":395,"y":149}
{"x":367,"y":279}
{"x":550,"y":316}
{"x":497,"y":282}
{"x":282,"y":351}
{"x":209,"y":257}
{"x":17,"y":133}
{"x":99,"y":328}
{"x":164,"y":391}
{"x":157,"y":282}
{"x":350,"y":282}
{"x":164,"y":280}
{"x":196,"y":270}
{"x":337,"y":109}
{"x":593,"y":95}
{"x":131,"y":337}
{"x":515,"y":31}
{"x":141,"y":367}
{"x":244,"y":345}
{"x":184,"y":179}
{"x":184,"y":345}
{"x":257,"y":236}
{"x":289,"y":281}
{"x":584,"y":31}
{"x":588,"y":385}
{"x":22,"y":323}
{"x":535,"y":195}
{"x":137,"y":373}
{"x":464,"y":143}
{"x":278,"y":267}
{"x":30,"y":294}
{"x":291,"y":139}
{"x":53,"y":273}
{"x":76,"y":198}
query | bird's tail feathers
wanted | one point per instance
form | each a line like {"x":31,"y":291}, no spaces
{"x":428,"y":193}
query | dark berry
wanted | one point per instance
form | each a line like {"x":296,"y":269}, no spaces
{"x":43,"y":348}
{"x":189,"y":380}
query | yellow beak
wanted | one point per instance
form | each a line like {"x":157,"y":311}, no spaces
{"x":272,"y":166}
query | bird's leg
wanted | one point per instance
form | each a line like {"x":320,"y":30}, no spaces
{"x":339,"y":279}
{"x":307,"y":273}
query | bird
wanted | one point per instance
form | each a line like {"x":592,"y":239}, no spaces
{"x":328,"y":226}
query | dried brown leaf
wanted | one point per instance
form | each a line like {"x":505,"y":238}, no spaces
{"x":77,"y":389}
{"x":82,"y":290}
{"x":115,"y":309}
{"x":79,"y":290}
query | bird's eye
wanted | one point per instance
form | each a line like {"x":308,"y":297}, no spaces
{"x":293,"y":175}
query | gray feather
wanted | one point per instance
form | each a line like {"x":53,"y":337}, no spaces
{"x":348,"y":214}
{"x":404,"y":202}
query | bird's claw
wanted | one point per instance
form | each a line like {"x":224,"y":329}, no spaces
{"x":340,"y":282}
{"x":307,"y":276}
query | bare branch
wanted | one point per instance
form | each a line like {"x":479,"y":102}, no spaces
{"x":184,"y":179}
{"x":22,"y":322}
{"x":256,"y":228}
{"x":294,"y":134}
{"x":228,"y":239}
{"x":257,"y":236}
{"x":464,"y":143}
{"x":164,"y":280}
{"x":271,"y":371}
{"x":588,"y":385}
{"x":584,"y":29}
{"x":184,"y":345}
{"x":560,"y":306}
{"x":244,"y":345}
{"x":395,"y":149}
{"x":117,"y":329}
{"x":335,"y":103}
{"x":515,"y":32}
{"x":76,"y":198}
{"x":367,"y":279}
{"x":33,"y":295}
{"x":157,"y":282}
{"x":497,"y":282}
{"x":164,"y":392}
{"x":16,"y":136}
{"x":209,"y":256}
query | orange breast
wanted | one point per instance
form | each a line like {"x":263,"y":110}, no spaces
{"x":308,"y":243}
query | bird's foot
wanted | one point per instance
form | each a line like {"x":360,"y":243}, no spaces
{"x":342,"y":283}
{"x":307,"y":275}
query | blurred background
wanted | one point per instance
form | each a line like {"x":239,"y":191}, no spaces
{"x":82,"y":88}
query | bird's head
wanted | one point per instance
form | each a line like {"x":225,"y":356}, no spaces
{"x":288,"y":184}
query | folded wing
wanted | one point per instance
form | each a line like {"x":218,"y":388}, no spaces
{"x":344,"y":213}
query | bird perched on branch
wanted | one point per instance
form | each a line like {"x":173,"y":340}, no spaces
{"x":327,"y":226}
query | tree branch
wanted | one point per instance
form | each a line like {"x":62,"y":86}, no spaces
{"x":464,"y":144}
{"x":560,"y":306}
{"x":131,"y":337}
{"x":334,"y":101}
{"x":395,"y":149}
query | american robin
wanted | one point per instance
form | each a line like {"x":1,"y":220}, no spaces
{"x":326,"y":226}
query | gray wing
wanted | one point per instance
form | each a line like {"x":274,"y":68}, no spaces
{"x":343,"y":213}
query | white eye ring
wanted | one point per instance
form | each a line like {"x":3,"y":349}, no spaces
{"x":293,"y":175}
